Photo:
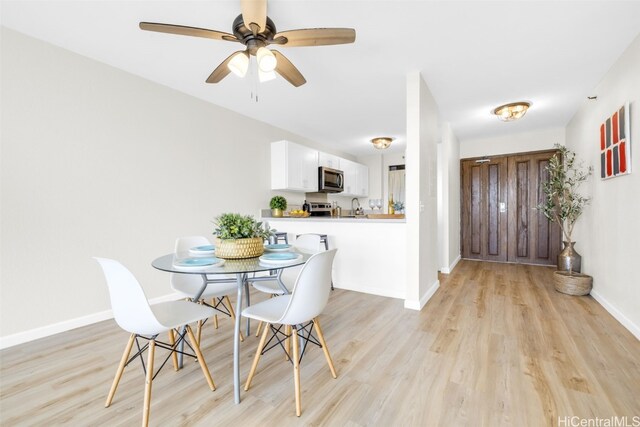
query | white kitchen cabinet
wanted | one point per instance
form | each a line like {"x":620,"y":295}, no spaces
{"x":328,"y":161}
{"x":362,"y":180}
{"x":294,"y":167}
{"x":350,"y":177}
{"x":356,"y":178}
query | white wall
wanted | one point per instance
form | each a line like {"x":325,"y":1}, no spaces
{"x":422,"y":237}
{"x":98,"y":162}
{"x":514,"y":143}
{"x":448,"y":200}
{"x":608,"y":232}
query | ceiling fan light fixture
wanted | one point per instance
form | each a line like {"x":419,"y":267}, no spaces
{"x":381,"y":142}
{"x":256,"y":31}
{"x":266,"y":60}
{"x":266,"y":76}
{"x":239,"y":64}
{"x":512,"y":111}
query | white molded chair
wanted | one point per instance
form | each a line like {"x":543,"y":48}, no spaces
{"x":306,"y":243}
{"x":133,"y":313}
{"x":188,"y":285}
{"x":303,"y":306}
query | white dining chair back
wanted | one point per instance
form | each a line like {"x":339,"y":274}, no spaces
{"x":187,"y":283}
{"x":130,"y":307}
{"x":308,"y":243}
{"x":183,"y":244}
{"x":311,"y":290}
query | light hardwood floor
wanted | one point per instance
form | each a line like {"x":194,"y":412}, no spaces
{"x":496,"y":345}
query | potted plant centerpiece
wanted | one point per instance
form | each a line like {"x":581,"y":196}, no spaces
{"x":278,"y":204}
{"x":564,"y":204}
{"x":239,"y":236}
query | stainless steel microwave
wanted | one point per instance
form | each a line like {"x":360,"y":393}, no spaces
{"x":330,"y":180}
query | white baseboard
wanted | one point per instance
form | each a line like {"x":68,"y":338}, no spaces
{"x":67,"y":325}
{"x":617,"y":314}
{"x":372,"y":291}
{"x":448,"y":270}
{"x":418,"y":305}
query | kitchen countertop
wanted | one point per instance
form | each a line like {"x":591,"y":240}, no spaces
{"x":335,"y":219}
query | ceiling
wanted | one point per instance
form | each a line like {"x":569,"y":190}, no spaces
{"x":473,"y":56}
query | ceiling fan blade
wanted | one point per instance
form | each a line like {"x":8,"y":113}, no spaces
{"x":287,"y":70}
{"x":254,"y":14}
{"x":187,"y":31}
{"x":221,"y":70}
{"x":315,"y":37}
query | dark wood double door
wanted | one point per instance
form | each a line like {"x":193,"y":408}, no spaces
{"x":500,"y":221}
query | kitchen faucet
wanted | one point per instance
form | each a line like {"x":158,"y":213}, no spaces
{"x":356,"y":211}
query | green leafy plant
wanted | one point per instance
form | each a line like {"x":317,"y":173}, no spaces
{"x":278,"y":202}
{"x":398,"y":206}
{"x":236,"y":226}
{"x":563,"y":203}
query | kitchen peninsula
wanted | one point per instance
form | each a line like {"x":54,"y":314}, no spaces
{"x":371,"y":255}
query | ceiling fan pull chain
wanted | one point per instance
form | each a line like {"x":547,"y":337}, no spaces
{"x":253,"y":78}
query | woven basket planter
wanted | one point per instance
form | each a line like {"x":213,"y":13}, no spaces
{"x":574,"y":284}
{"x":239,"y":248}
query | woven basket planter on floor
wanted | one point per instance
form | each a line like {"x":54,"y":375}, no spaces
{"x":239,"y":248}
{"x":574,"y":284}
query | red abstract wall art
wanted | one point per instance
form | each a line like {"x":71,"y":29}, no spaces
{"x":615,"y":144}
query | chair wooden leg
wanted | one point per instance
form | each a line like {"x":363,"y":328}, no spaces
{"x":215,"y":321}
{"x":203,"y":364}
{"x":296,"y":372}
{"x":174,"y":355}
{"x":287,"y":343}
{"x":256,"y":359}
{"x":324,"y":347}
{"x":233,"y":314}
{"x":147,"y":384}
{"x":199,"y":331}
{"x":120,"y":370}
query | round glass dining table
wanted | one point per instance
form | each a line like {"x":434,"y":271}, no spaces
{"x":241,"y":268}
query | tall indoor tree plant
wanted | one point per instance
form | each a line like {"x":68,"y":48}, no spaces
{"x":564,"y":204}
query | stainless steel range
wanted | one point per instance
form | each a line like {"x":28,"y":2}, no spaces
{"x":320,"y":209}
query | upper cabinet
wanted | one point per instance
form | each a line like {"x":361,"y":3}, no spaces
{"x":328,"y":160}
{"x":356,"y":178}
{"x":294,"y":167}
{"x":362,"y":180}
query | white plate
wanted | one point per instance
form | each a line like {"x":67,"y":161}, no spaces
{"x":197,"y":264}
{"x":203,"y":250}
{"x":277,"y":247}
{"x":275,"y":261}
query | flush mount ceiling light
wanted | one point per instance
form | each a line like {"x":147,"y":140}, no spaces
{"x":381,"y":142}
{"x":512,"y":111}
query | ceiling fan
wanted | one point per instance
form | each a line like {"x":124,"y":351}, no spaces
{"x":254,"y":29}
